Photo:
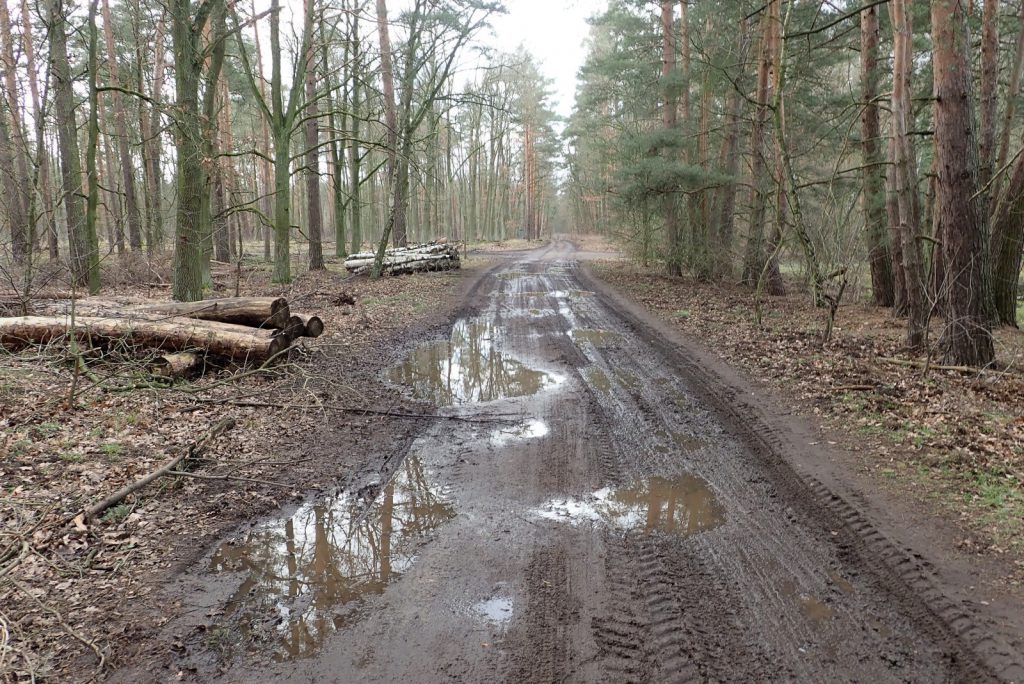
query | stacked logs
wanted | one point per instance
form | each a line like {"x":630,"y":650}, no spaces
{"x":241,"y":329}
{"x":430,"y":256}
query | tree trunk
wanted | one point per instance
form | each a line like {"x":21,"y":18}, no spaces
{"x":19,"y":180}
{"x":193,"y":174}
{"x":879,"y":258}
{"x":156,"y":137}
{"x":396,"y":222}
{"x":314,"y":213}
{"x":43,"y":159}
{"x":758,"y":265}
{"x":121,"y":127}
{"x":966,"y":339}
{"x":1012,"y":92}
{"x":674,"y":257}
{"x":355,"y":182}
{"x":82,"y":241}
{"x":904,"y":166}
{"x":236,"y":342}
{"x":1007,"y":243}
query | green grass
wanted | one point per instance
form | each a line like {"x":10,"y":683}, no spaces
{"x":117,"y":513}
{"x":114,"y":450}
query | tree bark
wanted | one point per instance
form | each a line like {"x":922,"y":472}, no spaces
{"x":82,"y":242}
{"x":759,"y":265}
{"x":22,"y":242}
{"x":43,"y":158}
{"x":121,"y":127}
{"x":674,"y":257}
{"x":876,"y":232}
{"x":314,"y":212}
{"x":966,"y":339}
{"x":390,"y":113}
{"x":193,"y":138}
{"x":904,"y":167}
{"x":354,"y":158}
{"x":236,"y":342}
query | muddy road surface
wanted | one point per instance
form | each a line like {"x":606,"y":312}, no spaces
{"x":599,"y":510}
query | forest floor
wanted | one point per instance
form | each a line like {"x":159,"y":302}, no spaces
{"x":70,"y":593}
{"x":951,"y":439}
{"x":593,"y":473}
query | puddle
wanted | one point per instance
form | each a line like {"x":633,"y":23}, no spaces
{"x":681,"y":505}
{"x":598,"y":338}
{"x":468,"y":367}
{"x":531,"y":429}
{"x":497,"y":610}
{"x":815,"y":610}
{"x":599,"y":380}
{"x":308,"y":574}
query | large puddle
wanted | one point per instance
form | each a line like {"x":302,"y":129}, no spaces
{"x":681,"y":505}
{"x":468,"y":367}
{"x":307,"y":574}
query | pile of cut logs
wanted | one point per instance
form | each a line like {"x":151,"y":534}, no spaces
{"x":242,"y":329}
{"x":430,"y":256}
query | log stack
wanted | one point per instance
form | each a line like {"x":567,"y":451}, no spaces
{"x":430,"y":256}
{"x":240,"y":329}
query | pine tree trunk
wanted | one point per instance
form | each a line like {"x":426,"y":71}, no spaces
{"x":904,"y":167}
{"x":758,"y":264}
{"x":674,"y":256}
{"x":879,"y":258}
{"x":966,"y":339}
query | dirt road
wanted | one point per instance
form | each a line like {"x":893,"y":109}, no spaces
{"x":599,"y":510}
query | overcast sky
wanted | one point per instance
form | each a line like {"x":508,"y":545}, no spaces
{"x":553,"y":31}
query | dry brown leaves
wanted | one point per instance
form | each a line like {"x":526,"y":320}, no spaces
{"x":57,"y":459}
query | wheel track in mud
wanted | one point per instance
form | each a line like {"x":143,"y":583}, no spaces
{"x":974,"y":652}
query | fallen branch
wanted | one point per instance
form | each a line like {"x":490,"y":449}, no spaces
{"x":193,"y":450}
{"x":854,"y":388}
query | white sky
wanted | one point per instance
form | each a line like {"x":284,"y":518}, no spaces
{"x":553,"y":31}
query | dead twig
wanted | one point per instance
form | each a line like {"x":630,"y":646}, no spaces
{"x":67,"y":628}
{"x":194,"y":450}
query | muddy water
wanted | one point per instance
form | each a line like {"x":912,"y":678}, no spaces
{"x":681,"y":505}
{"x":619,"y":530}
{"x":306,"y":575}
{"x":468,"y":367}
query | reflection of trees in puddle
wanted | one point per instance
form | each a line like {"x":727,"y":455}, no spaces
{"x":467,"y":368}
{"x":303,"y":569}
{"x":681,"y":505}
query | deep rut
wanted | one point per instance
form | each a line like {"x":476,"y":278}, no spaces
{"x":633,"y":521}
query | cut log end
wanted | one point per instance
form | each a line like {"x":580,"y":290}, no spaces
{"x":178,"y":365}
